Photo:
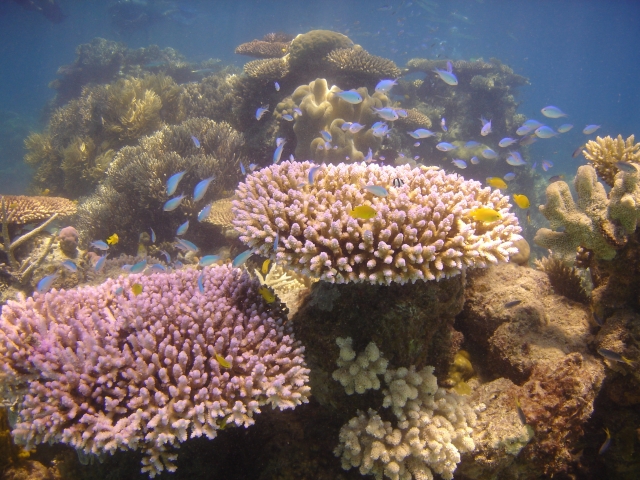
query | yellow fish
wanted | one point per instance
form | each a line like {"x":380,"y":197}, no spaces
{"x":113,"y":239}
{"x":521,"y":200}
{"x":496,"y":182}
{"x":265,"y":266}
{"x":221,"y":360}
{"x":484,"y":214}
{"x":45,"y":192}
{"x":136,"y":288}
{"x":267,"y":294}
{"x":365,"y":212}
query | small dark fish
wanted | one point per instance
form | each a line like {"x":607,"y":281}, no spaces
{"x":597,"y":318}
{"x":627,"y":167}
{"x":556,"y":178}
{"x":607,"y":443}
{"x":577,"y":151}
{"x":512,"y":303}
{"x":398,"y":182}
{"x":521,"y":415}
{"x":616,"y":357}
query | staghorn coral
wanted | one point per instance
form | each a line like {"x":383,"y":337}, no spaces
{"x":323,"y":110}
{"x":131,"y":198}
{"x":421,"y":231}
{"x":431,"y":428}
{"x":565,"y":279}
{"x":357,"y":374}
{"x":596,"y":222}
{"x":604,"y":153}
{"x":267,"y":70}
{"x":126,"y":372}
{"x":308,"y":51}
{"x":361,"y":66}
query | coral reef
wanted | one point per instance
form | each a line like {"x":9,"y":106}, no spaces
{"x":323,"y":110}
{"x":68,"y":239}
{"x":23,"y":209}
{"x":565,"y":279}
{"x":290,"y":287}
{"x":118,"y":371}
{"x":272,"y":45}
{"x":432,"y":427}
{"x":423,"y":230}
{"x":595,"y":222}
{"x":308,"y":51}
{"x":268,"y":69}
{"x":131,"y":198}
{"x":360,"y":66}
{"x":604,"y":153}
{"x":357,"y":374}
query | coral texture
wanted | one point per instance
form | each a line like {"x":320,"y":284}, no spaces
{"x":272,"y":45}
{"x":423,"y":230}
{"x":68,"y":240}
{"x":23,"y":209}
{"x":357,"y":374}
{"x":596,"y":222}
{"x":432,"y":428}
{"x":357,"y":62}
{"x":308,"y":51}
{"x":290,"y":287}
{"x":268,"y":69}
{"x":115,"y":371}
{"x":604,"y":153}
{"x":565,"y":279}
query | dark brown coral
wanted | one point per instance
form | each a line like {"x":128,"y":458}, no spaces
{"x":358,"y":62}
{"x":565,"y":279}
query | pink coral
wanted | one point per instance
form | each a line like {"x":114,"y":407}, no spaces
{"x":421,"y":230}
{"x":105,"y":369}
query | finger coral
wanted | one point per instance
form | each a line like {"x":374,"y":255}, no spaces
{"x":107,"y":370}
{"x":604,"y":153}
{"x":422,"y":230}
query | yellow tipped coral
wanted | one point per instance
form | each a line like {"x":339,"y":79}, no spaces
{"x":604,"y":153}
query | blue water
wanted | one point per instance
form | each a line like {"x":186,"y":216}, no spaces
{"x":579,"y":55}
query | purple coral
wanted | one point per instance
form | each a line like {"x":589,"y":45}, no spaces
{"x":106,"y":370}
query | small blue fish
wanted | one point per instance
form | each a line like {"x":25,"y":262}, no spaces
{"x":196,"y":142}
{"x":241,"y":258}
{"x":99,"y":245}
{"x":486,"y":127}
{"x":471,"y":144}
{"x":545,"y":132}
{"x":355,"y":127}
{"x":553,"y":112}
{"x":201,"y":188}
{"x":138,"y":267}
{"x":349,"y":96}
{"x":417,"y":144}
{"x":564,"y":128}
{"x":515,"y":159}
{"x":523,"y":130}
{"x":178,"y":264}
{"x":589,"y":129}
{"x":532,"y":124}
{"x":208,"y":260}
{"x":384,"y":86}
{"x":171,"y":205}
{"x":380,"y":131}
{"x":166,"y":255}
{"x":474,"y":160}
{"x":546,"y":165}
{"x":402,"y":113}
{"x":443,"y":124}
{"x":369,"y":157}
{"x":119,"y":290}
{"x":607,"y":442}
{"x":459,"y":163}
{"x":326,"y":135}
{"x":447,"y":77}
{"x":153,"y":236}
{"x":528,"y":140}
{"x":287,"y":117}
{"x":422,"y":133}
{"x":297,"y":111}
{"x":277,"y":85}
{"x":276,"y":241}
{"x":158,"y":267}
{"x":70,"y":265}
{"x":312,"y":173}
{"x":204,"y":213}
{"x":278,"y":152}
{"x":376,"y":190}
{"x":183,"y":244}
{"x":505,"y":142}
{"x":627,"y":167}
{"x":182,"y":229}
{"x":535,"y":164}
{"x":509,"y":176}
{"x":489,"y":154}
{"x":242,"y":169}
{"x":46,"y":282}
{"x":345,"y":126}
{"x":174,"y":180}
{"x":445,"y":147}
{"x":261,"y":111}
{"x":386,"y":113}
{"x":201,"y":282}
{"x":100,"y":263}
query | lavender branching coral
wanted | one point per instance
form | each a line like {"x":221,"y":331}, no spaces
{"x":107,"y":370}
{"x":422,"y":230}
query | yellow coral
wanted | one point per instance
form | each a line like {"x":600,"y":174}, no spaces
{"x":291,"y":287}
{"x":604,"y":153}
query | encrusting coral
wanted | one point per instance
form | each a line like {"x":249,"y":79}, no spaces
{"x":596,"y":222}
{"x":422,"y":230}
{"x":604,"y":153}
{"x":119,"y":371}
{"x":131,"y":198}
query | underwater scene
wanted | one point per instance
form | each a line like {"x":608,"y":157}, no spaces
{"x":329,"y":240}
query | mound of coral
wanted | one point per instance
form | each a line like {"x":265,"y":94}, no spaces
{"x":422,"y":230}
{"x":109,"y":368}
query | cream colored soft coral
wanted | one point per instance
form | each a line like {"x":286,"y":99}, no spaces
{"x":359,"y":374}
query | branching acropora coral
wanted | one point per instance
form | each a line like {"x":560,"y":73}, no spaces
{"x":358,"y":62}
{"x":357,"y":374}
{"x":604,"y":153}
{"x":118,"y":371}
{"x":422,"y":230}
